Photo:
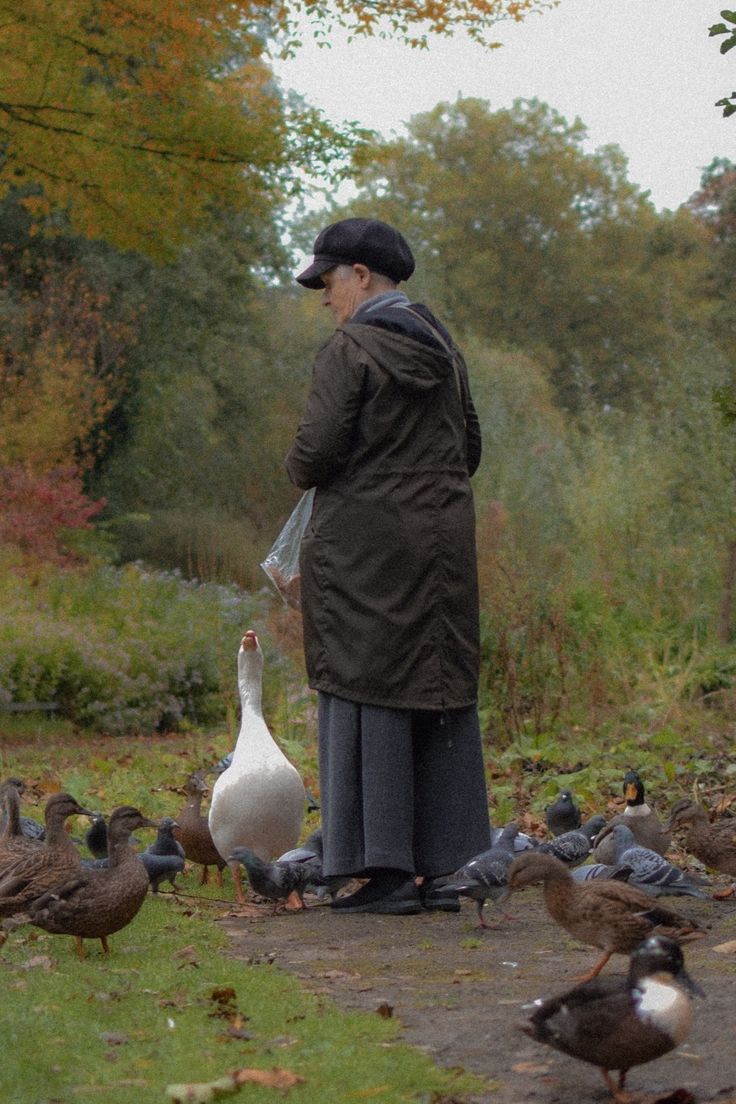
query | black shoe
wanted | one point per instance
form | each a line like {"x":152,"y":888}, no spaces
{"x":436,"y":898}
{"x":403,"y":900}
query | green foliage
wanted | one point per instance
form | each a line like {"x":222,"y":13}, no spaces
{"x":123,"y":650}
{"x":524,"y":238}
{"x":728,"y":103}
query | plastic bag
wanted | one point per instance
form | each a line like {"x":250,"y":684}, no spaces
{"x":282,"y":562}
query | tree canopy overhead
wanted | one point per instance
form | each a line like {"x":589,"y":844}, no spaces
{"x":140,"y":117}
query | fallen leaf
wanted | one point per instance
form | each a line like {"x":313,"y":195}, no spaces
{"x":42,"y":961}
{"x":722,"y":894}
{"x":188,"y":955}
{"x":201,"y":1093}
{"x":385,"y":1010}
{"x":726,"y":948}
{"x":273,"y":1078}
{"x":530,"y":1067}
{"x":113,"y":1038}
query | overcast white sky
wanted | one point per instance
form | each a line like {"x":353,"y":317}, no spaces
{"x":639,"y":73}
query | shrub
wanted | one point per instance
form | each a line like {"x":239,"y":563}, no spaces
{"x":123,"y":650}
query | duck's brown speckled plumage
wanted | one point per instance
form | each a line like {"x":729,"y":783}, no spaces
{"x":610,"y":915}
{"x":98,"y":902}
{"x":193,"y":831}
{"x":36,"y":867}
{"x":714,"y":844}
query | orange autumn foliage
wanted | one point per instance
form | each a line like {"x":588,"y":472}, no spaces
{"x":140,"y":119}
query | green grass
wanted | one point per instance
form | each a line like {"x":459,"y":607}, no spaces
{"x":170,"y":1004}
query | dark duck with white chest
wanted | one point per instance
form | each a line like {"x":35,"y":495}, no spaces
{"x":616,"y":1023}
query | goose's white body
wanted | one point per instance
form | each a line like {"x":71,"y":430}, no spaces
{"x":258,"y":802}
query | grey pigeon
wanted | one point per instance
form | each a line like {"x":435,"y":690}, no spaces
{"x":522,"y":842}
{"x":619,"y":872}
{"x":95,"y":837}
{"x":652,"y":874}
{"x":311,"y":854}
{"x":573,"y":848}
{"x":486,"y":875}
{"x":164,"y":858}
{"x":563,"y":815}
{"x":274,"y":880}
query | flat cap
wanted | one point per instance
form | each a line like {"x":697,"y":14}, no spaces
{"x":359,"y":241}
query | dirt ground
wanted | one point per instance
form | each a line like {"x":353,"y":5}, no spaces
{"x":458,"y":992}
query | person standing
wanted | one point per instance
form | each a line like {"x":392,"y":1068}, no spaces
{"x":389,"y":591}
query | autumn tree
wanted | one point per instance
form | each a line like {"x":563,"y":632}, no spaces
{"x":527,"y":240}
{"x":141,"y":118}
{"x":59,"y":363}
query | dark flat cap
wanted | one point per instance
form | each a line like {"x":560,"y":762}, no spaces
{"x":359,"y":241}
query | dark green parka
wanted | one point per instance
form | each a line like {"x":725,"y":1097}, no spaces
{"x":388,"y":566}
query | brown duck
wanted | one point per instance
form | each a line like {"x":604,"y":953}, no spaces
{"x":11,"y":829}
{"x":713,"y":844}
{"x":97,"y":902}
{"x":193,"y":832}
{"x":608,"y":914}
{"x":643,"y":823}
{"x":35,"y":867}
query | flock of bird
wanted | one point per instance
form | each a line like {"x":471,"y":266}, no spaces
{"x":602,"y":880}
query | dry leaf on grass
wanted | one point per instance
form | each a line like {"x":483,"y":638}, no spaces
{"x":385,"y":1010}
{"x":42,"y":961}
{"x":726,"y":948}
{"x":530,"y":1067}
{"x":208,"y":1091}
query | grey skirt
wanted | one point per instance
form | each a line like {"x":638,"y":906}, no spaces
{"x":400,"y":788}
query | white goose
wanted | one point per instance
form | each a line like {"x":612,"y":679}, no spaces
{"x":258,"y":802}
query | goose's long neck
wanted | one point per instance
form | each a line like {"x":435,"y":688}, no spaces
{"x":250,"y":681}
{"x":251,"y":690}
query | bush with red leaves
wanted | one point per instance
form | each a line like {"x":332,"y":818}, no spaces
{"x":39,"y":512}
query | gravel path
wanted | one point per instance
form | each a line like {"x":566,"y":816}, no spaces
{"x":458,"y":992}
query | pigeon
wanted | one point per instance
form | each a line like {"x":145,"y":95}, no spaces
{"x":486,"y":875}
{"x":95,"y":837}
{"x":563,"y":815}
{"x":573,"y":847}
{"x":651,"y":873}
{"x":617,"y":873}
{"x":522,"y":842}
{"x":164,"y":858}
{"x":277,"y":880}
{"x":311,"y":853}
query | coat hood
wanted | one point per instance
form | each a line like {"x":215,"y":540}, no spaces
{"x":413,"y":364}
